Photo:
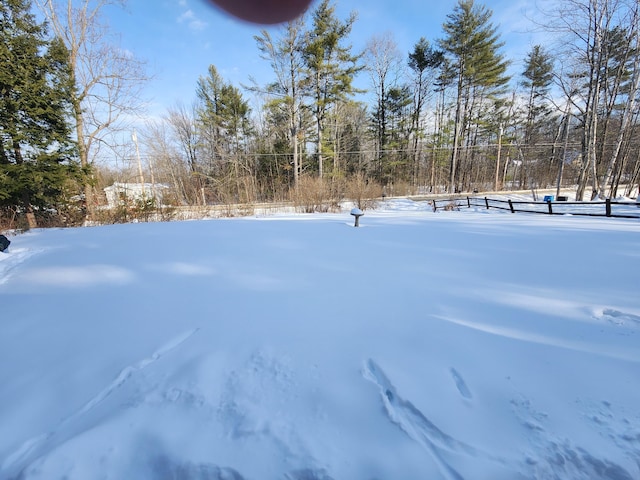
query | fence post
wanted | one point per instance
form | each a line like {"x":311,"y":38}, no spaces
{"x":550,"y":209}
{"x":434,"y":205}
{"x":608,"y":206}
{"x":486,"y":201}
{"x":468,"y":203}
{"x":511,"y":206}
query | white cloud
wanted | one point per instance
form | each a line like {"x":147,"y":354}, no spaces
{"x":126,"y":53}
{"x":186,"y":16}
{"x":192,"y":21}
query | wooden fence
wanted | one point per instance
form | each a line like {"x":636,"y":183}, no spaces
{"x":606,"y":208}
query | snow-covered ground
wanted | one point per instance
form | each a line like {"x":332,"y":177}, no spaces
{"x":453,"y":345}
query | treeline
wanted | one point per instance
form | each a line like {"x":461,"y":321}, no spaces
{"x":448,"y":116}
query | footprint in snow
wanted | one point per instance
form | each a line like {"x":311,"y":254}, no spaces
{"x":460,"y":384}
{"x":620,"y":318}
{"x":419,"y":427}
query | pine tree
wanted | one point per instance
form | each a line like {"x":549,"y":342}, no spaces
{"x":397,"y":104}
{"x":223,"y":120}
{"x":209,"y":115}
{"x":472,"y":47}
{"x":37,"y":156}
{"x":285,"y":55}
{"x":330,"y":65}
{"x":223,"y":114}
{"x":538,"y":75}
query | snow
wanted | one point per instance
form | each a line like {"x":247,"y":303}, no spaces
{"x":473,"y":344}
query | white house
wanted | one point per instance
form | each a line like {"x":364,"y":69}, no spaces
{"x":119,"y":193}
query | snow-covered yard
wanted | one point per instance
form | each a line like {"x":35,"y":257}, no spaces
{"x":452,"y":345}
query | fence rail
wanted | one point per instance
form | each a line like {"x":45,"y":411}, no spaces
{"x":606,"y":208}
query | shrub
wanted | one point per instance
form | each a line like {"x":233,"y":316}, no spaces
{"x":363,"y":193}
{"x":317,"y":195}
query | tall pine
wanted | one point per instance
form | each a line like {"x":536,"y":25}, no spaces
{"x":537,"y":78}
{"x":471,"y":46}
{"x":37,"y":155}
{"x":223,"y":120}
{"x":330,"y":66}
{"x":284,"y":52}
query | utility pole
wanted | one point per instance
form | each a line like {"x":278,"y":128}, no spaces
{"x":134,"y":137}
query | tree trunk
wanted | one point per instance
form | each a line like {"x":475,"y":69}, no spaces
{"x":457,"y":131}
{"x":319,"y":147}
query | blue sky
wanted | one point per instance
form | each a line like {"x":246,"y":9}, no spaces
{"x":179,"y":39}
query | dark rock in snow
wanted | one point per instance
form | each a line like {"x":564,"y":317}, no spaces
{"x":4,"y":243}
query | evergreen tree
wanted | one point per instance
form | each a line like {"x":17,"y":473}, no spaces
{"x":37,"y":156}
{"x":472,"y":47}
{"x":538,"y":75}
{"x":223,"y":121}
{"x":209,"y":113}
{"x":223,"y":114}
{"x":285,"y":55}
{"x":330,"y":66}
{"x":397,"y":104}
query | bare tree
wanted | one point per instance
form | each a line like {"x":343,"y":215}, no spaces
{"x":108,"y":79}
{"x":598,"y":21}
{"x":384,"y":64}
{"x":168,"y":163}
{"x":632,"y":56}
{"x":183,"y":123}
{"x":601,"y":42}
{"x":184,"y":127}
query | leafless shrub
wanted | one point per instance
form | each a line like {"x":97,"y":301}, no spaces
{"x":399,"y":189}
{"x":317,"y":195}
{"x":363,"y":193}
{"x":137,"y":211}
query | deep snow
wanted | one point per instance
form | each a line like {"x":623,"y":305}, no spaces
{"x":456,"y":345}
